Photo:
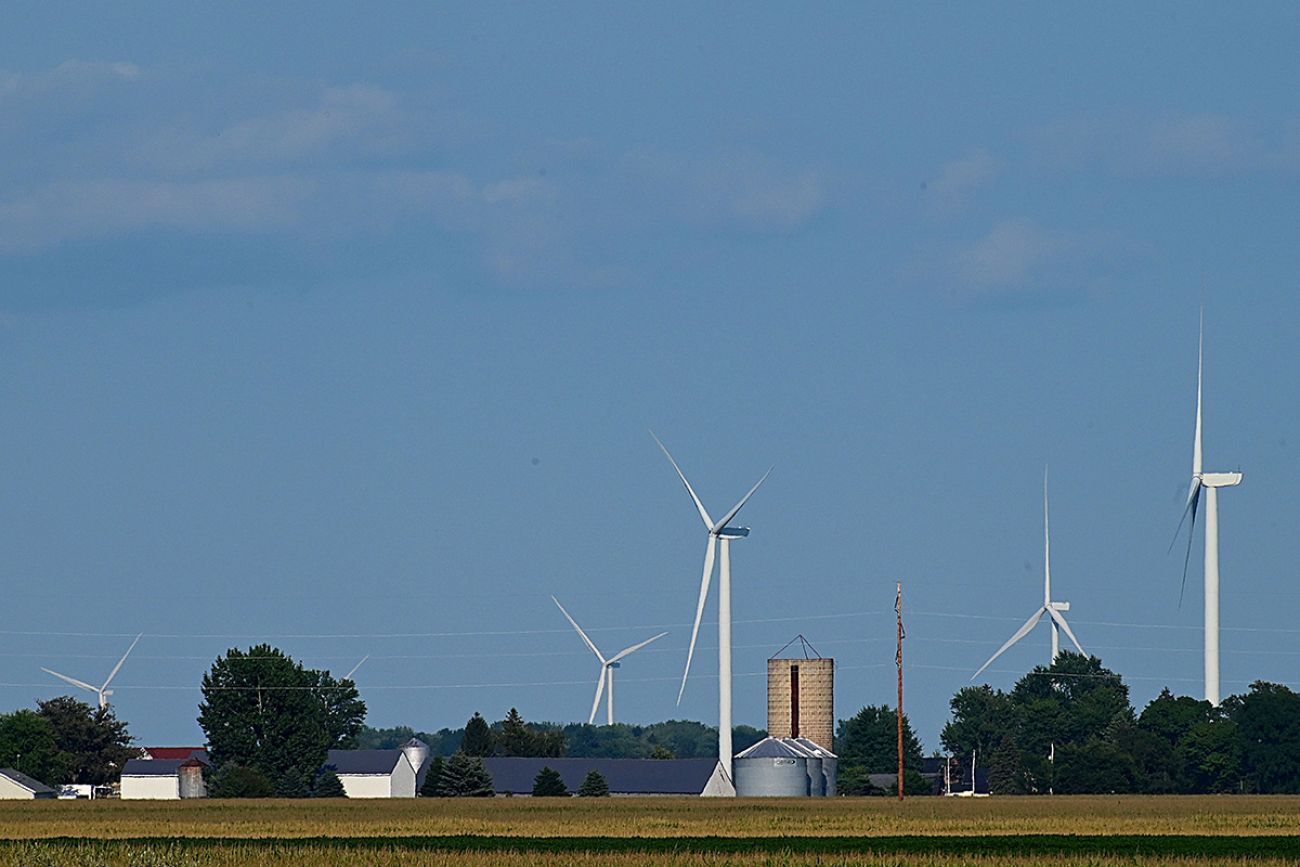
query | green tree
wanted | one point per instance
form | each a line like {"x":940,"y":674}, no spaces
{"x":982,"y":718}
{"x":294,"y":783}
{"x":478,"y":737}
{"x":1209,"y":758}
{"x":594,"y":786}
{"x":548,"y":784}
{"x":1096,"y":767}
{"x":27,"y":745}
{"x":233,"y":780}
{"x":93,"y":744}
{"x":263,"y":710}
{"x":432,"y":778}
{"x":660,"y":753}
{"x":517,"y":738}
{"x":1268,"y":728}
{"x":1068,"y":702}
{"x":1006,"y":768}
{"x":328,"y":785}
{"x":867,"y":743}
{"x":1172,"y":717}
{"x":464,"y":777}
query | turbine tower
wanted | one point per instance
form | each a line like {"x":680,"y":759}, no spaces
{"x":103,"y":692}
{"x":607,"y":666}
{"x":1209,"y":484}
{"x":723,"y":534}
{"x":1053,"y":610}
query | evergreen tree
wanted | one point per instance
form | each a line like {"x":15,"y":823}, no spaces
{"x":867,"y":743}
{"x":464,"y":776}
{"x":548,"y":784}
{"x":432,"y":779}
{"x":328,"y":785}
{"x":294,"y":783}
{"x":478,"y":737}
{"x":1006,"y":769}
{"x":233,"y":780}
{"x":594,"y":786}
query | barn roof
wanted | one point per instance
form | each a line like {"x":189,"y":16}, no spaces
{"x":151,"y":767}
{"x":200,"y":753}
{"x":624,"y":776}
{"x":35,"y":786}
{"x":364,"y":761}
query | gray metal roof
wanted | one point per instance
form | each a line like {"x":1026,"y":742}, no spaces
{"x":364,"y":761}
{"x":624,"y":776}
{"x":151,"y":767}
{"x":31,"y":783}
{"x":779,"y":748}
{"x":821,"y":751}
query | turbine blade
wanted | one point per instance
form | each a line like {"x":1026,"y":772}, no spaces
{"x":1194,"y":506}
{"x":1059,"y":619}
{"x":699,"y":610}
{"x":587,"y":641}
{"x":348,"y":676}
{"x":112,"y":674}
{"x":600,"y":690}
{"x":1200,"y":366}
{"x":1020,"y":633}
{"x":634,"y":648}
{"x":735,"y":510}
{"x":704,"y":514}
{"x":72,"y":680}
{"x":1047,"y":549}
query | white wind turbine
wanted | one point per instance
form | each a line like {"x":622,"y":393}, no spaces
{"x":1209,"y":483}
{"x":103,"y":692}
{"x":353,"y":671}
{"x":1052,"y":610}
{"x":607,"y":666}
{"x":723,"y":534}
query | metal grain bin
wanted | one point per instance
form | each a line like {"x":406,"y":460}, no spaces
{"x":829,"y":766}
{"x":772,"y":768}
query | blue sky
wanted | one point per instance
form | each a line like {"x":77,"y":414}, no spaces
{"x":344,"y":330}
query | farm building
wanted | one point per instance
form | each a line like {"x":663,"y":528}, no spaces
{"x":17,"y":785}
{"x":181,"y":753}
{"x":515,"y":776}
{"x":373,"y":773}
{"x":163,"y":779}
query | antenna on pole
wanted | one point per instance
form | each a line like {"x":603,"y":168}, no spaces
{"x":898,"y":658}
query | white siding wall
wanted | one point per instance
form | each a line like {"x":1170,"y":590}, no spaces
{"x":9,"y":790}
{"x":151,"y":788}
{"x":399,"y":784}
{"x":367,"y":785}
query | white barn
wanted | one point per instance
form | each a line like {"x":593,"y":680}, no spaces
{"x":162,"y":779}
{"x":17,"y":785}
{"x":373,"y":773}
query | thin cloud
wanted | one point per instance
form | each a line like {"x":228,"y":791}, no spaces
{"x":956,"y":182}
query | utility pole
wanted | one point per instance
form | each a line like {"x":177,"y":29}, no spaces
{"x":898,"y":658}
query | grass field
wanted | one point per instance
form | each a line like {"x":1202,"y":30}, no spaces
{"x":657,"y":831}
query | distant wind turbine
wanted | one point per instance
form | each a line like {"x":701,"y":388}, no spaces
{"x":1054,"y":611}
{"x":1209,"y":483}
{"x":348,"y":676}
{"x":722,"y":534}
{"x":607,"y":666}
{"x":103,"y":692}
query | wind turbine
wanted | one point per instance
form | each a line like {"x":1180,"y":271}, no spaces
{"x":607,"y":666}
{"x":723,"y":534}
{"x":102,"y":691}
{"x":348,"y":676}
{"x":1209,"y":484}
{"x":1052,"y":610}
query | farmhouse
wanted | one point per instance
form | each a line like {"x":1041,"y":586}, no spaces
{"x":16,"y":785}
{"x":163,"y":779}
{"x":515,"y":776}
{"x":373,"y":773}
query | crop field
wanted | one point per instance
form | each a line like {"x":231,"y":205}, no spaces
{"x":657,"y":831}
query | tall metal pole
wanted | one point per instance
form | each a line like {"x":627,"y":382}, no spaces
{"x":1212,"y":595}
{"x":724,"y":659}
{"x":898,"y":610}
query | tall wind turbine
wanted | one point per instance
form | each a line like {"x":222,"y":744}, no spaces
{"x":1052,"y":610}
{"x":607,"y":666}
{"x":103,"y":692}
{"x":1209,"y":484}
{"x":723,"y":534}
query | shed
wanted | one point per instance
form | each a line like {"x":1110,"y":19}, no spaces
{"x":16,"y":785}
{"x":515,"y":775}
{"x":373,"y":773}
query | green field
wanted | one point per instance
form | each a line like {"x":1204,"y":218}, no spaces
{"x":660,"y":831}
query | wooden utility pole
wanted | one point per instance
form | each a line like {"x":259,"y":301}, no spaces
{"x":898,"y":658}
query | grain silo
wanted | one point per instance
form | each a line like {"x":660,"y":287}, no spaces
{"x":772,"y":768}
{"x":801,"y":696}
{"x":830,"y":766}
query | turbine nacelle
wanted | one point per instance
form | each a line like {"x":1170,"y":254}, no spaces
{"x":732,"y":533}
{"x":1221,"y":480}
{"x":1059,"y":606}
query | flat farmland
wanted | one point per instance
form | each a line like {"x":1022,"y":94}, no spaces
{"x":993,"y":832}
